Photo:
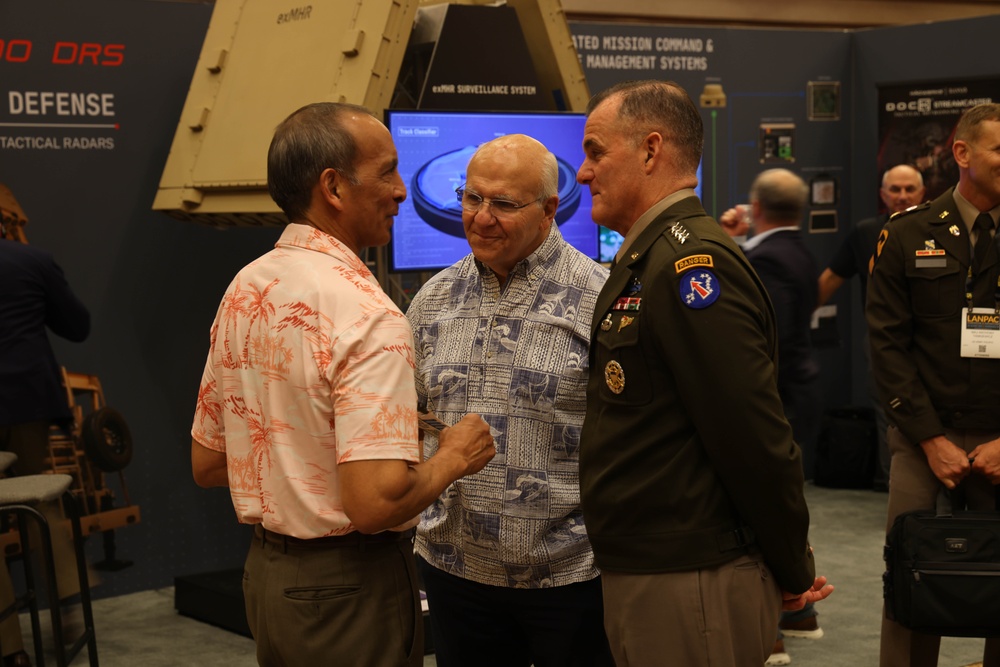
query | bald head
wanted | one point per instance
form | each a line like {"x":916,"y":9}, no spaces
{"x":902,"y":171}
{"x":524,"y":154}
{"x":519,"y":178}
{"x":779,"y":198}
{"x":902,"y":187}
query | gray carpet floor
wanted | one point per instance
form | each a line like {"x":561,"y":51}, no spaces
{"x":142,"y":629}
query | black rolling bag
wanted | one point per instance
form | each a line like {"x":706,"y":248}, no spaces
{"x":943,"y":570}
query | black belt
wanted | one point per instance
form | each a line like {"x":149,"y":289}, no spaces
{"x":354,"y":539}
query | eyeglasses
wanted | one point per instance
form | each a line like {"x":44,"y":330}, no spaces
{"x":898,"y":189}
{"x":472,"y":202}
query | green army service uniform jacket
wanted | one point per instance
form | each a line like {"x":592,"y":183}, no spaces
{"x":686,"y":459}
{"x":916,"y":294}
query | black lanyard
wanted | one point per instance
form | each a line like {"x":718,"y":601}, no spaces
{"x":968,"y":292}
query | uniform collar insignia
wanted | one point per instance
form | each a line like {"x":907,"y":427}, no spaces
{"x":679,"y":232}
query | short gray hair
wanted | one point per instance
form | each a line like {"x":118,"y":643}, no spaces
{"x":782,"y":195}
{"x":968,"y":125}
{"x":659,"y":106}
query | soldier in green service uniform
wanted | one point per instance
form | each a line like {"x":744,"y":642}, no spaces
{"x":690,"y":480}
{"x":933,"y":298}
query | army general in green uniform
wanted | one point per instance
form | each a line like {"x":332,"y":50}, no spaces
{"x":690,"y":480}
{"x":932,"y":302}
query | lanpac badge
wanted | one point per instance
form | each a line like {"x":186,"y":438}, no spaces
{"x":699,"y":289}
{"x":614,"y":376}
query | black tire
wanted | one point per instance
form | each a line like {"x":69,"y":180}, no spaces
{"x":106,"y":439}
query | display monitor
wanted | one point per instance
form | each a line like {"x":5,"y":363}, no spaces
{"x":434,"y":148}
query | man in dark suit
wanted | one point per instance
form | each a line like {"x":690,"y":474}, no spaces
{"x":35,"y":296}
{"x":690,"y":478}
{"x":778,"y":254}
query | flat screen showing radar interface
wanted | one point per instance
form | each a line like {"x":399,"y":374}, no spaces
{"x":434,"y":148}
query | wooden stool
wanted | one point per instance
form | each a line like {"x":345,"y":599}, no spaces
{"x":20,"y":496}
{"x":7,"y":459}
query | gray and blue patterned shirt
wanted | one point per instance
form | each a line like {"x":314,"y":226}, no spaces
{"x":517,"y":355}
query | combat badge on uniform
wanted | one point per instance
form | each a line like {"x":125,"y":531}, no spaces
{"x":614,"y":376}
{"x":699,"y":289}
{"x":931,"y":257}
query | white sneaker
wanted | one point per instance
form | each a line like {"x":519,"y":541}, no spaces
{"x":778,"y":655}
{"x":807,"y":628}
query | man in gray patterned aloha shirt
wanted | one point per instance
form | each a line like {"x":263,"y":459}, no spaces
{"x":508,"y":569}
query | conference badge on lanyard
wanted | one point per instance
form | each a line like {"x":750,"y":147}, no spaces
{"x":980,"y":333}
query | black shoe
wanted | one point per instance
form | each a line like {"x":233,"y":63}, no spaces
{"x":19,"y":659}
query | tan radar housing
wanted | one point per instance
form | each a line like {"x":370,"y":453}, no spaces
{"x":263,"y":59}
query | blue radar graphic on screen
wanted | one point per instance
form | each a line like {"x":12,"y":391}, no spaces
{"x":433,"y":191}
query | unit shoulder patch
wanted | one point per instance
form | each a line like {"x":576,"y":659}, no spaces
{"x":699,"y":289}
{"x":692,"y":261}
{"x":883,"y":236}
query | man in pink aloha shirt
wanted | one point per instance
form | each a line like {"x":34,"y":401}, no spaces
{"x":307,"y":409}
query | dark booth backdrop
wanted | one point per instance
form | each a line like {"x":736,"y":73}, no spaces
{"x":152,"y":284}
{"x":87,"y":179}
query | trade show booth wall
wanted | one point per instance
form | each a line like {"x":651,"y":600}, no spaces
{"x":91,"y":96}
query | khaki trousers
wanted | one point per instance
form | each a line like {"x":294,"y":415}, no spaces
{"x":330,"y":605}
{"x":725,"y":615}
